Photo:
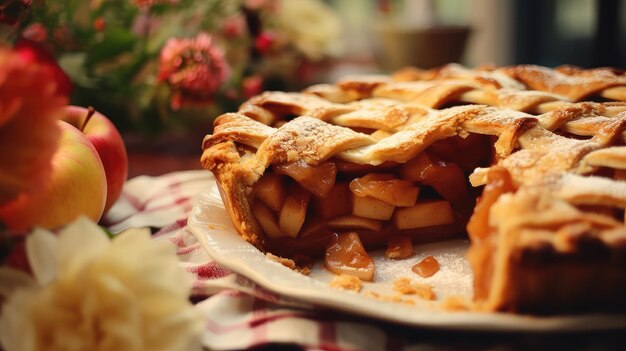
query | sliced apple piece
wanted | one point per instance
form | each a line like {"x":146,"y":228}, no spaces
{"x":312,"y":227}
{"x":354,"y":169}
{"x":445,"y":177}
{"x":293,"y":213}
{"x":354,"y":222}
{"x":424,"y":214}
{"x":470,"y":152}
{"x":346,"y":255}
{"x":426,"y":267}
{"x":337,"y":203}
{"x":399,"y":247}
{"x":317,"y":179}
{"x":414,"y":169}
{"x":271,"y":190}
{"x":387,"y":188}
{"x":369,"y":207}
{"x":267,"y":220}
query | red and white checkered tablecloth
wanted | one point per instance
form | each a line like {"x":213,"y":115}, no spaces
{"x":239,"y":314}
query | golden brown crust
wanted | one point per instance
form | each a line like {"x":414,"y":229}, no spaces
{"x":550,"y":145}
{"x":565,"y":83}
{"x":234,"y":180}
{"x":432,"y":94}
{"x":549,"y":256}
{"x":311,"y":140}
{"x":575,"y":84}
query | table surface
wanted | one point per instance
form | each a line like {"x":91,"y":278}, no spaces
{"x":155,"y":164}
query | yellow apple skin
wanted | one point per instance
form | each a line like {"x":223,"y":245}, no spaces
{"x":109,"y":144}
{"x":77,"y":187}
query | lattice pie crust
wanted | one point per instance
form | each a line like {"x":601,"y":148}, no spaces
{"x":408,"y":155}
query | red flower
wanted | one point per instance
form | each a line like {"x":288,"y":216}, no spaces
{"x":99,"y":24}
{"x":29,"y":109}
{"x":263,"y":43}
{"x":194,"y":68}
{"x":33,"y":52}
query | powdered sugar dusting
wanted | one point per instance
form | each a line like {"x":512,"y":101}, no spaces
{"x":576,"y":85}
{"x":311,"y":140}
{"x":592,"y":190}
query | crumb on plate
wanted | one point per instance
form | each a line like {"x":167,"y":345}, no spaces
{"x":347,"y":282}
{"x":406,"y":287}
{"x":456,"y":303}
{"x":289,"y":263}
{"x":390,"y":298}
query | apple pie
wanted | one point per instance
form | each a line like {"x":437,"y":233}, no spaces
{"x":527,"y":161}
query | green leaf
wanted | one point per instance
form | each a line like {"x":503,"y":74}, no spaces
{"x":74,"y":65}
{"x":115,"y":42}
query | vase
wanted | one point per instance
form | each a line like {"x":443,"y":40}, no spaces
{"x":401,"y":46}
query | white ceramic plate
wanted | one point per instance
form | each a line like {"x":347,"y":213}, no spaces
{"x":209,"y":221}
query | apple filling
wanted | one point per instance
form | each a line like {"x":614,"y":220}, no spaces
{"x":309,"y":210}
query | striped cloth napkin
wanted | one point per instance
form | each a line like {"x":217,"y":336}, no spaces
{"x":240,"y":314}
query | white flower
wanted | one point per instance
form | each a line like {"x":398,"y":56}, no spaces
{"x":92,"y":293}
{"x":310,"y":25}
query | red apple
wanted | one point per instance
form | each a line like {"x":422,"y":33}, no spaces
{"x":77,"y":187}
{"x":108,"y":143}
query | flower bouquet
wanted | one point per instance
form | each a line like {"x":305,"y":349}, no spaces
{"x":71,"y":287}
{"x":169,"y":65}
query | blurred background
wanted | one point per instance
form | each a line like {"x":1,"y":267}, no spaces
{"x":588,"y":33}
{"x":161,"y":70}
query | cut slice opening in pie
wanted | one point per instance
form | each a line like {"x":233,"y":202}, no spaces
{"x":427,"y":198}
{"x":514,"y":157}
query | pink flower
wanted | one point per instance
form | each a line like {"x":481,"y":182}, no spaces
{"x":146,"y":24}
{"x":35,"y":32}
{"x":194,"y":68}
